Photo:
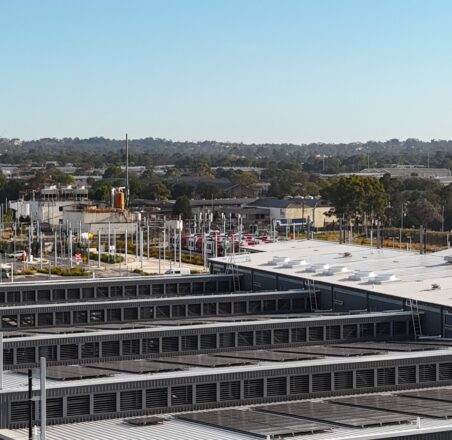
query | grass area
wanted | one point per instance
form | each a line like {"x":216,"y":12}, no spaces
{"x":61,"y":271}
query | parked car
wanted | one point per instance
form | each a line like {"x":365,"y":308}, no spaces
{"x":177,"y":272}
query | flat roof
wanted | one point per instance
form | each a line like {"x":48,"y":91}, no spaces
{"x":174,"y":428}
{"x":16,"y":382}
{"x":88,"y":332}
{"x":415,"y":273}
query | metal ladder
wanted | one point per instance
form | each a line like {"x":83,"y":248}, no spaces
{"x":233,"y":269}
{"x":312,"y":295}
{"x":415,"y":317}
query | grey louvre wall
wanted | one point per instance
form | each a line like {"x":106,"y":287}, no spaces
{"x":115,"y":345}
{"x":285,"y":283}
{"x":347,"y":299}
{"x":247,"y":385}
{"x":78,"y":313}
{"x":126,"y":287}
{"x":264,"y":281}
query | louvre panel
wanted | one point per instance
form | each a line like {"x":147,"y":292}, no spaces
{"x":263,"y":337}
{"x":343,"y":380}
{"x":208,"y":341}
{"x":276,"y":386}
{"x":157,"y":289}
{"x":102,"y":292}
{"x":194,"y":310}
{"x":281,"y":336}
{"x":298,"y":334}
{"x":80,"y":317}
{"x":88,"y":292}
{"x":383,"y":329}
{"x":110,"y":348}
{"x":78,"y":405}
{"x":427,"y":373}
{"x":54,"y":408}
{"x":170,"y":344}
{"x":156,"y":398}
{"x":269,"y":306}
{"x":253,"y":388}
{"x":96,"y":316}
{"x":333,"y":332}
{"x":131,"y":291}
{"x":62,"y":318}
{"x":224,"y":308}
{"x":45,"y":319}
{"x":299,"y":305}
{"x":144,"y":290}
{"x":227,"y":340}
{"x":25,"y":355}
{"x":28,"y":296}
{"x":245,"y":339}
{"x":178,"y":310}
{"x":184,"y":288}
{"x":130,"y":400}
{"x":73,"y":293}
{"x":49,"y":352}
{"x":240,"y":307}
{"x":399,"y":328}
{"x":151,"y":345}
{"x":182,"y":395}
{"x":115,"y":291}
{"x":163,"y":311}
{"x":365,"y":378}
{"x":114,"y":315}
{"x":407,"y":374}
{"x":130,"y":314}
{"x":211,"y":286}
{"x":299,"y":384}
{"x":316,"y":333}
{"x":147,"y":313}
{"x":321,"y":382}
{"x":189,"y":342}
{"x":43,"y":295}
{"x":59,"y":294}
{"x":130,"y":346}
{"x":284,"y":305}
{"x":104,"y":403}
{"x":366,"y":330}
{"x":209,"y":309}
{"x":349,"y":331}
{"x":229,"y":391}
{"x":19,"y":411}
{"x":90,"y":350}
{"x":254,"y":307}
{"x":206,"y":393}
{"x":445,"y":371}
{"x":8,"y":356}
{"x":171,"y":288}
{"x":385,"y":376}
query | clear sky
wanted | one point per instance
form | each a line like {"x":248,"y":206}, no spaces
{"x":239,"y":70}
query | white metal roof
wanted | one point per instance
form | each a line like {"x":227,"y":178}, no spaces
{"x":415,"y":273}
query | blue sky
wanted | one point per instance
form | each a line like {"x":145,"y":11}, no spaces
{"x":239,"y":70}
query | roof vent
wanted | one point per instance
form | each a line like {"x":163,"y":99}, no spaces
{"x":436,"y":286}
{"x":143,"y":421}
{"x":335,"y":270}
{"x":383,"y":278}
{"x":361,"y":274}
{"x":317,"y":267}
{"x":294,"y":263}
{"x":347,"y":254}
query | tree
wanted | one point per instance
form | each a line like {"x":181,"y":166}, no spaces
{"x":182,"y":207}
{"x":157,"y":191}
{"x":423,"y":212}
{"x":181,"y":189}
{"x":207,"y":191}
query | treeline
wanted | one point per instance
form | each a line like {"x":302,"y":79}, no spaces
{"x":393,"y":202}
{"x":99,"y":152}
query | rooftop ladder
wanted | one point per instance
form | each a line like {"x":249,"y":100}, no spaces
{"x":312,"y":295}
{"x":415,"y":317}
{"x":233,"y":269}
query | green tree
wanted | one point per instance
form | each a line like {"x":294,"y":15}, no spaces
{"x":182,"y":207}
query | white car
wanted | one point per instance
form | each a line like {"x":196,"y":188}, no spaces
{"x":16,"y":255}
